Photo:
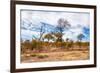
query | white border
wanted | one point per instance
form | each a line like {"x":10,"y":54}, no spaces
{"x":52,"y":64}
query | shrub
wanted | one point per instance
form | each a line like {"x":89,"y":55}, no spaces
{"x":34,"y":43}
{"x":26,"y":45}
{"x":58,"y":44}
{"x":42,"y":56}
{"x":63,"y":44}
{"x":37,"y":45}
{"x":34,"y":55}
{"x":39,"y":55}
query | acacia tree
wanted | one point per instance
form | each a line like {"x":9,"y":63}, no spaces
{"x":62,"y":25}
{"x":49,"y":37}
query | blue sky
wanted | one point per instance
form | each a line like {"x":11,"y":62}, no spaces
{"x":31,"y":19}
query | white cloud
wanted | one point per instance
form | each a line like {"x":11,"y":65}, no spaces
{"x":77,"y":21}
{"x":52,"y":17}
{"x":29,"y":34}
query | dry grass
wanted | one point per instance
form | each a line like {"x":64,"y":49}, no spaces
{"x":55,"y":56}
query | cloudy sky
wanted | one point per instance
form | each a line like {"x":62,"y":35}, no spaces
{"x":79,"y":23}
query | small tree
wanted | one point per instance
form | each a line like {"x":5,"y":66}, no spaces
{"x":67,"y":39}
{"x":58,"y":36}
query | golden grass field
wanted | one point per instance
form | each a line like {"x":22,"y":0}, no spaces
{"x":55,"y":56}
{"x":55,"y":52}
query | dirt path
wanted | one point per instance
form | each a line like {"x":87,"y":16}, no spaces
{"x":57,"y":56}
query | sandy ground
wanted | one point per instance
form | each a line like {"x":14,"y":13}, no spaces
{"x":56,"y":56}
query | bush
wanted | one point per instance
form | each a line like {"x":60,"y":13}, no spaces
{"x":64,"y":44}
{"x":42,"y":56}
{"x":34,"y":55}
{"x":39,"y":55}
{"x":34,"y":43}
{"x":37,"y":45}
{"x":26,"y":45}
{"x":58,"y":44}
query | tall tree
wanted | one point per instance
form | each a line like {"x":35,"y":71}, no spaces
{"x":62,"y":26}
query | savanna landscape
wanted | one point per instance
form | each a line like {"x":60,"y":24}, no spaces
{"x":46,"y":36}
